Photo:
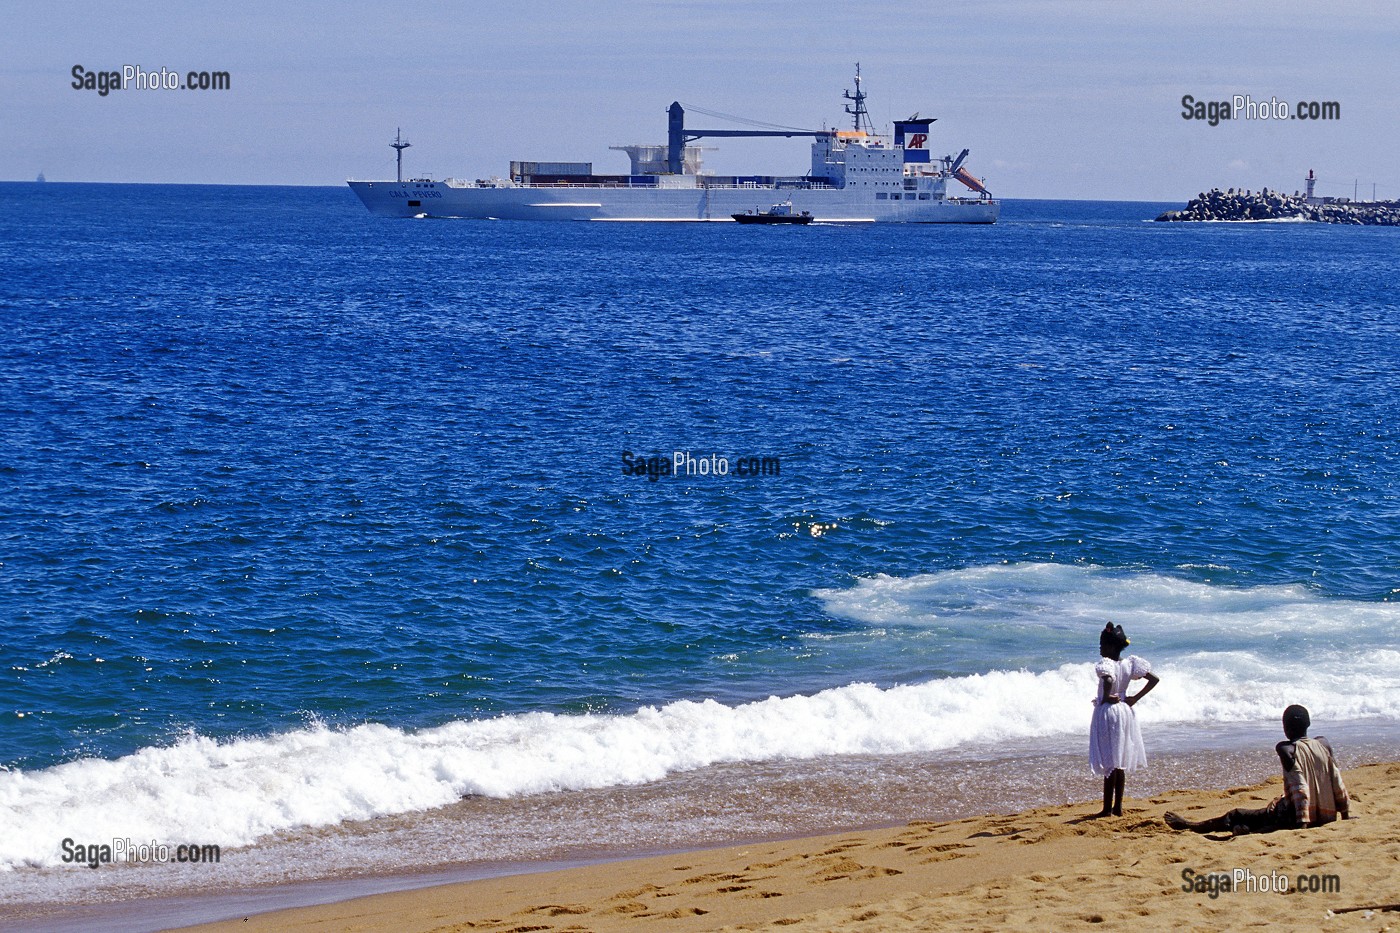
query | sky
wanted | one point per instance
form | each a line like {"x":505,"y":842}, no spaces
{"x":1073,"y":99}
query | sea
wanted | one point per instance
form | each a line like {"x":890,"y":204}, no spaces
{"x":374,"y":553}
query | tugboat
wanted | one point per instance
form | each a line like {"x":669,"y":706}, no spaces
{"x":777,"y":214}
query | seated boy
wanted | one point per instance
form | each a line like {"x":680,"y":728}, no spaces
{"x":1313,"y":790}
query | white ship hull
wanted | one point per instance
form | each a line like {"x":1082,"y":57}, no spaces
{"x":827,"y":205}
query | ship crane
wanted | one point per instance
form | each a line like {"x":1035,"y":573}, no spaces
{"x":678,"y":134}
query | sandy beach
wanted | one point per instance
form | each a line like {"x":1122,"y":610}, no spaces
{"x":1047,"y":868}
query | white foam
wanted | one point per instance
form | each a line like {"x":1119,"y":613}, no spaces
{"x":1167,"y":612}
{"x":232,"y":793}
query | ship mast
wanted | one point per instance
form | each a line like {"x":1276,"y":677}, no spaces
{"x":400,"y":144}
{"x":858,"y":113}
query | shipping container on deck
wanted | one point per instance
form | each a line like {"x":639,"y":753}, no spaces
{"x":519,"y":169}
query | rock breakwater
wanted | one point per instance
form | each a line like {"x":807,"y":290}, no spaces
{"x":1240,"y":204}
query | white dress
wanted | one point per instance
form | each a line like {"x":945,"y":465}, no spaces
{"x":1115,"y":741}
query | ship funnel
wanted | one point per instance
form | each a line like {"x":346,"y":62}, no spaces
{"x":912,"y":136}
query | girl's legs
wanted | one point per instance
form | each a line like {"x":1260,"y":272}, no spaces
{"x":1118,"y":778}
{"x":1108,"y":783}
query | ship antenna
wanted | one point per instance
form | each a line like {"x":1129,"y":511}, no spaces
{"x":858,"y":112}
{"x":400,"y":144}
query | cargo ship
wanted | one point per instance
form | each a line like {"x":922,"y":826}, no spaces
{"x":856,"y":176}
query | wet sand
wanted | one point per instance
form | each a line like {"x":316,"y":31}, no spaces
{"x":1047,"y":868}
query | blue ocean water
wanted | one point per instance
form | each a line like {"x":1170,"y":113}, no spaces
{"x":287,"y":489}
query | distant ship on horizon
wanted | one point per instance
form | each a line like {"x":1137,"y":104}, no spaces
{"x":856,"y":176}
{"x":41,"y":178}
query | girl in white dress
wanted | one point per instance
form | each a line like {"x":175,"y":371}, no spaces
{"x":1115,"y":741}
